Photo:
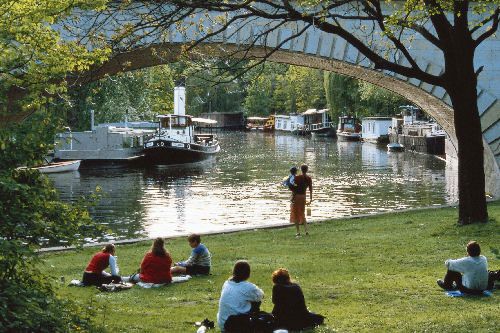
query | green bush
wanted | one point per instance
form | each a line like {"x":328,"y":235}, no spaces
{"x":32,"y":216}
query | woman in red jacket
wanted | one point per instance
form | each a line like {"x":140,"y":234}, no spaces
{"x":155,"y":267}
{"x":94,"y":274}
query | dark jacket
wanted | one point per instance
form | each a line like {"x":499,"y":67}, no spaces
{"x":290,"y":308}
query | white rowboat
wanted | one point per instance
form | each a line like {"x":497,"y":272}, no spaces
{"x":57,"y":167}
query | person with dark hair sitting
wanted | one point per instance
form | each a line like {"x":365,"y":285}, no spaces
{"x":237,"y":296}
{"x":474,"y":267}
{"x":290,"y":310}
{"x":155,"y":266}
{"x":94,"y":274}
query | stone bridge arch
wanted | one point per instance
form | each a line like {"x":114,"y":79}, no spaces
{"x":432,"y":100}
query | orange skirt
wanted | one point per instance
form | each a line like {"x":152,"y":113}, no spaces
{"x":298,"y":210}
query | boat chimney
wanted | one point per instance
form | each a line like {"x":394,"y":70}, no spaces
{"x":92,"y":127}
{"x":180,"y":98}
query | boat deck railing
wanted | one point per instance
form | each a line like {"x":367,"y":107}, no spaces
{"x":315,"y":127}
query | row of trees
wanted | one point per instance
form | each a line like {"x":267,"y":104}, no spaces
{"x":269,"y":88}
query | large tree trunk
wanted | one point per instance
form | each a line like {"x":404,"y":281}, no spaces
{"x":461,"y":86}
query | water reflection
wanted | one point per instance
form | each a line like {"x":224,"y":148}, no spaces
{"x":241,"y":187}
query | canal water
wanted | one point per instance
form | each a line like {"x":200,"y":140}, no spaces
{"x":240,"y":188}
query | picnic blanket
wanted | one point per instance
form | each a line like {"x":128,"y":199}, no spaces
{"x":458,"y":293}
{"x":175,"y":279}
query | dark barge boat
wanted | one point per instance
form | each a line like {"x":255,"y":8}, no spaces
{"x":176,"y":143}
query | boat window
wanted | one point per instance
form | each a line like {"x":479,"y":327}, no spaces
{"x":175,"y":121}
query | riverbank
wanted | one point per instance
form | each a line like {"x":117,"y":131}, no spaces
{"x":374,"y":273}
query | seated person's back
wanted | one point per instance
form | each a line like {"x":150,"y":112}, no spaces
{"x":290,"y":310}
{"x":237,"y":294}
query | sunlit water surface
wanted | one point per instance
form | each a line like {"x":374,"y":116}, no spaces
{"x":240,"y":188}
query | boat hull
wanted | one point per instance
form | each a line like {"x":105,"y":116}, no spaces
{"x":326,"y":131}
{"x":348,"y":136}
{"x":382,"y":139}
{"x":56,"y":167}
{"x":395,"y":147}
{"x":430,"y":145}
{"x":164,"y":152}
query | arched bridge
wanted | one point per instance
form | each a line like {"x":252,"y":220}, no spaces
{"x":296,"y":43}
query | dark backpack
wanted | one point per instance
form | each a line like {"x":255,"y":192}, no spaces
{"x":252,"y":322}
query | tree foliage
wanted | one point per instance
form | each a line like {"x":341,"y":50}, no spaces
{"x":379,"y":101}
{"x":342,"y":94}
{"x":35,"y":61}
{"x":140,"y":95}
{"x":283,"y":89}
{"x":32,"y":216}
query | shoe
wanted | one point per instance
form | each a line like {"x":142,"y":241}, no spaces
{"x":208,"y":323}
{"x":297,"y":234}
{"x":445,"y":287}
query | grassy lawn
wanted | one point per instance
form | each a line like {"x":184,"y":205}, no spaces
{"x":368,"y":274}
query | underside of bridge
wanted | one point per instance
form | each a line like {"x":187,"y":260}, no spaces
{"x":155,"y":55}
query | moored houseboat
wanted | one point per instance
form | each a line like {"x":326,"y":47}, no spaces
{"x":264,"y":124}
{"x":288,"y":123}
{"x":348,"y":129}
{"x":416,"y":132}
{"x":103,"y":145}
{"x":176,"y":143}
{"x":318,"y":122}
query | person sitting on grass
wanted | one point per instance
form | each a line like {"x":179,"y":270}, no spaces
{"x":94,"y":274}
{"x":238,"y":296}
{"x":474,"y":267}
{"x":155,"y":267}
{"x":290,"y":310}
{"x":198,"y":262}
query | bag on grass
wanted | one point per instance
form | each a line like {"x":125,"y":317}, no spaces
{"x":115,"y":286}
{"x":251,"y":322}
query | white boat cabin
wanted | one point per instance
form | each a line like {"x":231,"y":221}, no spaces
{"x":375,"y":129}
{"x":316,"y":119}
{"x":176,"y":127}
{"x":413,"y":122}
{"x":348,"y":124}
{"x":288,"y":123}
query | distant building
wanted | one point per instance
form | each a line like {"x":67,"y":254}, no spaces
{"x":226,"y":120}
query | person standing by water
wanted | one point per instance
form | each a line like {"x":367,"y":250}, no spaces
{"x":298,"y":207}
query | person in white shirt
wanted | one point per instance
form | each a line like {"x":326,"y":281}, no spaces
{"x":474,"y":268}
{"x":238,"y":296}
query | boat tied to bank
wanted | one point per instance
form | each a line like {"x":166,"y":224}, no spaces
{"x":264,"y":124}
{"x":416,"y":132}
{"x":348,"y":129}
{"x":176,"y":143}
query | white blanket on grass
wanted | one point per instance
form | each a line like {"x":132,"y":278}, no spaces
{"x":175,"y":279}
